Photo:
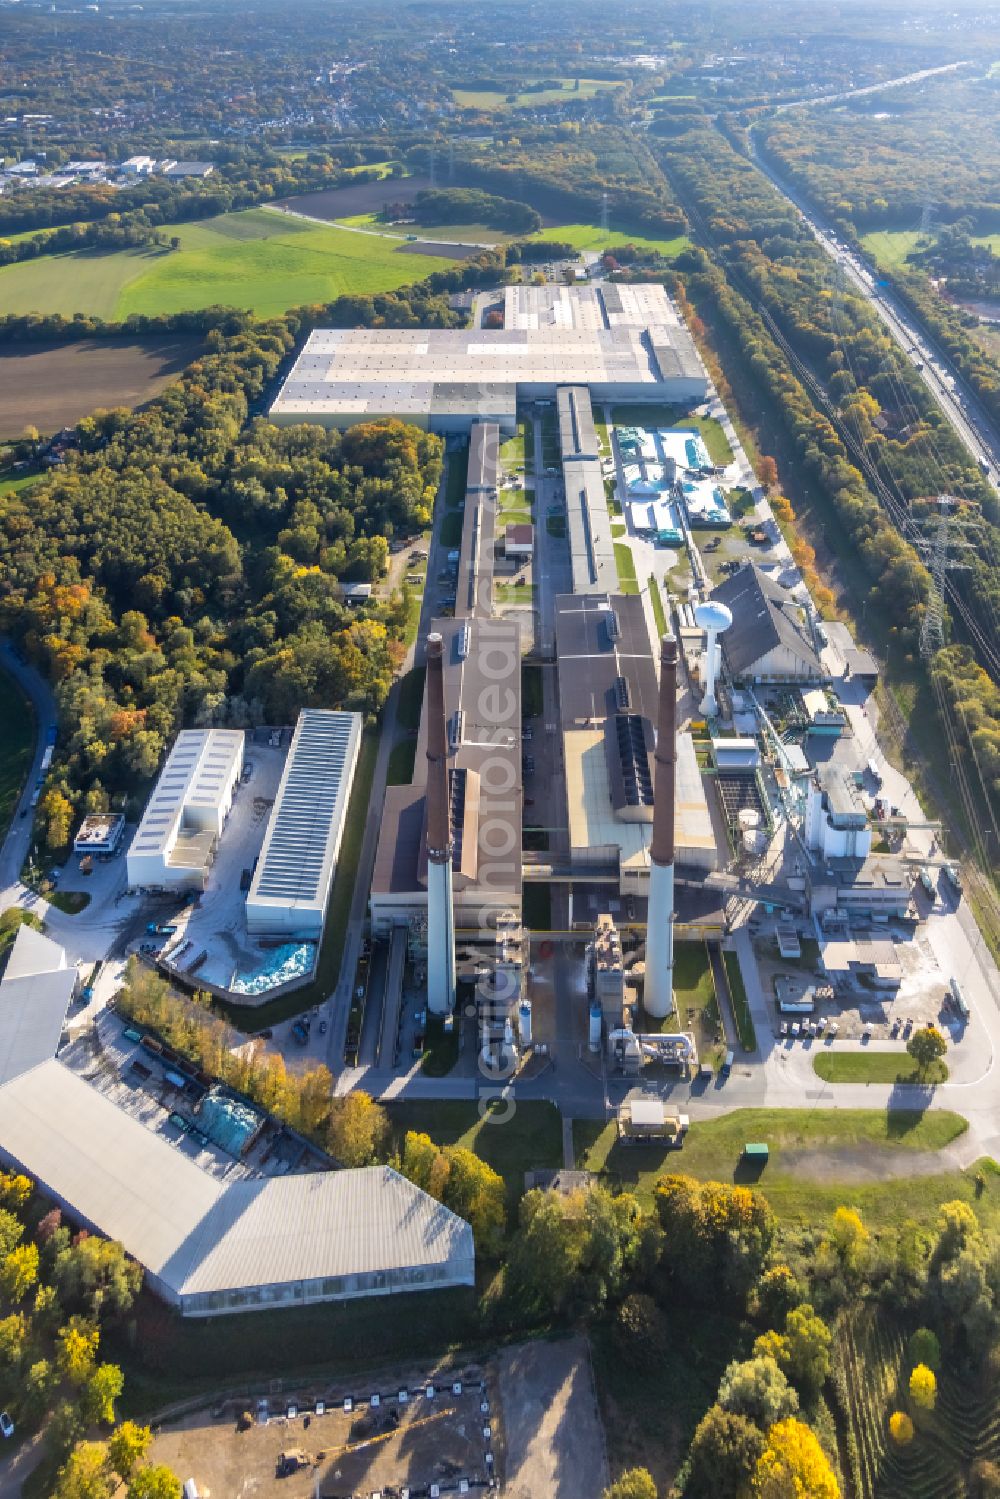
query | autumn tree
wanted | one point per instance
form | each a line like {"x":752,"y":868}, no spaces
{"x":154,"y":1482}
{"x":100,"y":1391}
{"x":84,"y":1475}
{"x":924,"y":1347}
{"x":793,"y":1465}
{"x":901,"y":1428}
{"x":923,"y":1388}
{"x":357,"y":1129}
{"x":758,"y":1390}
{"x":724,"y":1453}
{"x":19,"y":1272}
{"x":637,"y":1483}
{"x":926,"y":1046}
{"x":76,"y":1350}
{"x":127,"y":1446}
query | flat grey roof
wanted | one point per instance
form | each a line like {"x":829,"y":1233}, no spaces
{"x":194,"y":1232}
{"x":575,"y":415}
{"x":588,"y":527}
{"x":602,"y":639}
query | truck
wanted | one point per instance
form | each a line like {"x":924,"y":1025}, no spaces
{"x":155,"y":929}
{"x":301,"y":1032}
{"x":953,"y":875}
{"x":958,"y":998}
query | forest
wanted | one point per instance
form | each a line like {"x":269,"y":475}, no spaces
{"x":766,"y":257}
{"x":858,"y":162}
{"x":183,"y":566}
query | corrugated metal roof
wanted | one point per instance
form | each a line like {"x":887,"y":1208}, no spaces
{"x":192,"y":1231}
{"x":33,"y":953}
{"x":197,"y":772}
{"x":32,"y":1014}
{"x":303,"y":835}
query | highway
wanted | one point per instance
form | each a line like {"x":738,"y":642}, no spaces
{"x":958,"y":403}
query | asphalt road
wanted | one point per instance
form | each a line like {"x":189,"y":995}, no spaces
{"x":956,"y":400}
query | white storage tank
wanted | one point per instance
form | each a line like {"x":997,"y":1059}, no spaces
{"x":524,"y":1022}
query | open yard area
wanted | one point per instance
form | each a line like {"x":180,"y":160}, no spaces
{"x":49,"y":386}
{"x":16,"y":746}
{"x":527,"y":1416}
{"x":885,"y":1164}
{"x":875,"y":1067}
{"x":259,"y":259}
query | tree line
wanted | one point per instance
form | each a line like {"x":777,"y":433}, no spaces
{"x":58,"y":1291}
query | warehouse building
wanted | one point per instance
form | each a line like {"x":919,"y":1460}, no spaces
{"x":608,"y":695}
{"x":482,"y":698}
{"x":769,"y":639}
{"x":175,"y":844}
{"x":209,"y":1243}
{"x":291,"y":885}
{"x":575,"y":415}
{"x":477,"y":552}
{"x":624,"y":343}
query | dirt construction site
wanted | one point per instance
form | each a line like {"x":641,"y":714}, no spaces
{"x":520,"y":1424}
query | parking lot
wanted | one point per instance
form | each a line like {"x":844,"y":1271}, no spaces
{"x":526,"y":1423}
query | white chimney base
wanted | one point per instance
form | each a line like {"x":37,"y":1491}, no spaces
{"x":440,"y":940}
{"x":658,"y":994}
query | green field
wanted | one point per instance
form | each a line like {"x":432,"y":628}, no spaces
{"x":495,"y":99}
{"x":14,"y":482}
{"x":807,"y":1146}
{"x":891,"y":246}
{"x":578,"y":236}
{"x":259,"y":259}
{"x":874,"y":1067}
{"x":16,"y":746}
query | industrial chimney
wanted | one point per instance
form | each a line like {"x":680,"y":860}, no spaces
{"x":440,"y":907}
{"x":659,"y":984}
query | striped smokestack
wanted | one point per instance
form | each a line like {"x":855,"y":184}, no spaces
{"x":439,"y":844}
{"x":662,"y":850}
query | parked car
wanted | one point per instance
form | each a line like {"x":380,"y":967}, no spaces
{"x":6,"y":1424}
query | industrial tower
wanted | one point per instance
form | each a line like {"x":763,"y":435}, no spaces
{"x":658,"y":997}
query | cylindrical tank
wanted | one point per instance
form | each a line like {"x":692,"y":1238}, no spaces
{"x":524,"y":1022}
{"x":595,"y":1027}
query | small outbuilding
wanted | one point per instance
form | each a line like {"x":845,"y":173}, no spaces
{"x":519,"y":541}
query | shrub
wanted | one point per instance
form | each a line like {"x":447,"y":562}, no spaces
{"x":640,"y":1331}
{"x":901,"y":1428}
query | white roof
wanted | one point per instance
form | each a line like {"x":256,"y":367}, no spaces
{"x":648,"y":1111}
{"x":197,"y":771}
{"x":192,"y":1231}
{"x":33,"y":953}
{"x":303,"y":832}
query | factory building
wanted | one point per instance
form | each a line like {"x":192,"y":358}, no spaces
{"x":208,"y":1244}
{"x":174,"y":846}
{"x":291,"y":884}
{"x":836,"y":822}
{"x":624,"y":343}
{"x":769,"y":639}
{"x":477,"y":551}
{"x":609,"y":702}
{"x":481,"y":680}
{"x":575,"y":415}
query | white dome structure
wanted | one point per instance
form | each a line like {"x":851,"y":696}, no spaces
{"x":714,"y":618}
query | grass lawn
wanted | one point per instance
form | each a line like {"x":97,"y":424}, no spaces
{"x":530,"y":1138}
{"x":532,"y":701}
{"x":14,"y":482}
{"x":601,"y":428}
{"x":456,"y":477}
{"x":625,"y":563}
{"x":338,"y":910}
{"x":259,"y":259}
{"x":451,"y":529}
{"x":440,"y":1048}
{"x":570,"y":89}
{"x":874,"y":1067}
{"x":741,"y":1005}
{"x":16,"y":747}
{"x":656,"y":600}
{"x":402,"y":756}
{"x":716,"y":440}
{"x":514,"y":593}
{"x":891,"y":246}
{"x":512,"y":450}
{"x":166,"y":1357}
{"x":808,"y":1190}
{"x":411,"y":697}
